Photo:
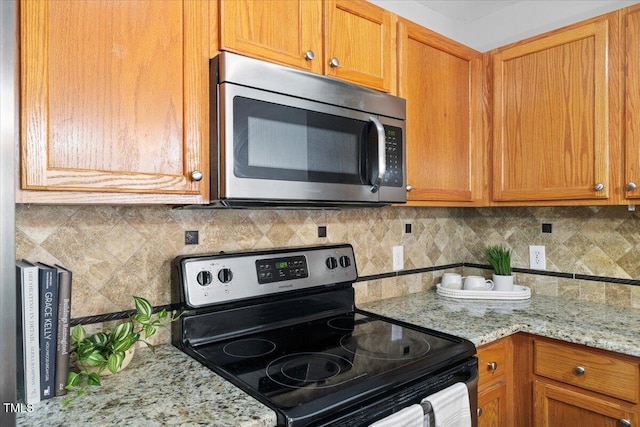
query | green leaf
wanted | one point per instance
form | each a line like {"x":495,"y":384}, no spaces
{"x":143,"y":306}
{"x":162,"y":313}
{"x":95,"y":358}
{"x":73,"y":379}
{"x":123,"y":344}
{"x":78,"y":334}
{"x":115,"y":361}
{"x":100,"y":339}
{"x":121,"y":331}
{"x":149,"y":330}
{"x":93,"y":379}
{"x":85,"y":350}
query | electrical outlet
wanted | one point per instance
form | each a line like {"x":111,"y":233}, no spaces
{"x":537,"y":260}
{"x":398,"y":258}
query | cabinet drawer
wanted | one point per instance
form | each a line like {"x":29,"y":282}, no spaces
{"x":590,"y":369}
{"x":492,"y":362}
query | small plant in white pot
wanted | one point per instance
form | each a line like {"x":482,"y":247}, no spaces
{"x":500,"y":259}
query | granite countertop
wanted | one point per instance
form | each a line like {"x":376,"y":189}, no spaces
{"x":169,"y":388}
{"x":483,"y":321}
{"x":173,"y":389}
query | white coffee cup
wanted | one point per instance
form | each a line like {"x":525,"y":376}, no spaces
{"x":451,"y":281}
{"x":477,"y":283}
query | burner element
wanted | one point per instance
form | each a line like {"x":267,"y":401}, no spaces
{"x":384,"y":346}
{"x":254,"y":347}
{"x":307,"y":369}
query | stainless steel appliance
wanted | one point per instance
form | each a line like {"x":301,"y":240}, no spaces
{"x":282,"y":136}
{"x":282,"y":325}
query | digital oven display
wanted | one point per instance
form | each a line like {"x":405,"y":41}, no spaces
{"x":281,"y":269}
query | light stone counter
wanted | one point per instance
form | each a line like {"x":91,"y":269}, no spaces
{"x":170,"y":388}
{"x":483,"y":321}
{"x":173,"y":389}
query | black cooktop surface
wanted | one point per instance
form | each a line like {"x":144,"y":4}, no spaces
{"x":329,"y":361}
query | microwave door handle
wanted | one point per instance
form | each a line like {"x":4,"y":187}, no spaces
{"x":382,"y":158}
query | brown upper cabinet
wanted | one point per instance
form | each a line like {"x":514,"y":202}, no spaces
{"x":632,"y":106}
{"x":347,"y":39}
{"x":442,"y":83}
{"x":556,"y":106}
{"x":114,"y":102}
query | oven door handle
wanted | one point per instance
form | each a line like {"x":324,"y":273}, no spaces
{"x":382,"y":155}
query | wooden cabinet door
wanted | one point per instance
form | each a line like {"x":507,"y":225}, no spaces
{"x":556,"y":406}
{"x":492,"y":406}
{"x":282,"y":31}
{"x":358,"y":35}
{"x":442,"y":83}
{"x":632,"y":103}
{"x":114,"y":97}
{"x":551,"y":127}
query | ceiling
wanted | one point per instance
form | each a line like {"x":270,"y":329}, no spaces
{"x":467,"y":10}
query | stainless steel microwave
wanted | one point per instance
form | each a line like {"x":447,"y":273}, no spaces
{"x":283,"y":137}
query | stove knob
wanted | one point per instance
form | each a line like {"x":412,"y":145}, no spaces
{"x":331,"y":263}
{"x":204,"y":278}
{"x":345,"y":261}
{"x":225,"y":275}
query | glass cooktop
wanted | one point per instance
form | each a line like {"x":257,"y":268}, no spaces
{"x":328,"y":361}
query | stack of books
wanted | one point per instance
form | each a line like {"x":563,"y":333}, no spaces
{"x":44,"y":308}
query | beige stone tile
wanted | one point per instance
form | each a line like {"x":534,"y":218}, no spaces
{"x":88,"y":301}
{"x":121,"y":240}
{"x":592,"y":291}
{"x":617,"y":294}
{"x":635,"y":296}
{"x":568,"y":288}
{"x":85,"y":257}
{"x":38,"y":222}
{"x":24,"y":245}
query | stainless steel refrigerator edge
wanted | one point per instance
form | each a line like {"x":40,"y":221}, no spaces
{"x":8,"y":135}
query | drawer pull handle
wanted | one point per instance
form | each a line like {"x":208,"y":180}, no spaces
{"x":480,"y":414}
{"x":492,"y":366}
{"x":579,"y":370}
{"x":625,"y":423}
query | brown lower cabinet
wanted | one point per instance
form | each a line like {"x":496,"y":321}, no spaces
{"x":494,"y":362}
{"x":492,"y":405}
{"x":558,"y":405}
{"x":528,"y":380}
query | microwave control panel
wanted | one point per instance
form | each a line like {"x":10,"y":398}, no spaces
{"x":394,"y":176}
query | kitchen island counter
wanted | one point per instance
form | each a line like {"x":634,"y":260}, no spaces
{"x":173,"y":389}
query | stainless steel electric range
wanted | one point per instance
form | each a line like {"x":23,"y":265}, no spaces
{"x":282,"y":325}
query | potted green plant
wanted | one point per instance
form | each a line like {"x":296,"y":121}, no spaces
{"x":500,"y":259}
{"x":109,"y":351}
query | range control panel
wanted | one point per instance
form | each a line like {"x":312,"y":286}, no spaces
{"x":280,"y":269}
{"x":218,"y":278}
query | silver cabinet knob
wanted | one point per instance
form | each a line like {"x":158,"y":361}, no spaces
{"x":492,"y":366}
{"x":334,"y":62}
{"x":579,"y":370}
{"x":625,"y":423}
{"x":409,"y":188}
{"x":599,"y":186}
{"x":479,"y":411}
{"x":631,"y":186}
{"x":309,"y":55}
{"x":196,"y":176}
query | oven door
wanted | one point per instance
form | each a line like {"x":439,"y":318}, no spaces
{"x":277,"y":147}
{"x":379,"y":408}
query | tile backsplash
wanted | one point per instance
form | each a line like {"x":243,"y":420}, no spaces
{"x":119,"y":251}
